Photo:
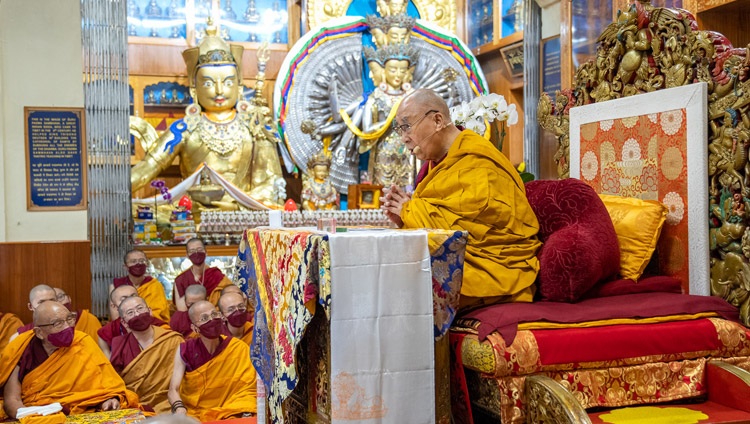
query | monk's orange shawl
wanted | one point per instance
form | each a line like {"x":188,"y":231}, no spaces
{"x":79,"y":376}
{"x":9,"y":323}
{"x":153,"y":293}
{"x":475,"y":189}
{"x":223,"y":387}
{"x":89,"y":324}
{"x":247,"y":333}
{"x":150,"y":372}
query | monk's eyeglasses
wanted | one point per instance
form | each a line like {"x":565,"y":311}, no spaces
{"x":206,"y":317}
{"x":59,"y":323}
{"x":240,"y":307}
{"x":130,"y":313}
{"x":61,"y":296}
{"x":138,"y":261}
{"x":405,"y":128}
{"x":196,"y":250}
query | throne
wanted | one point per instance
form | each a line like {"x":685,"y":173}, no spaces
{"x":625,"y":317}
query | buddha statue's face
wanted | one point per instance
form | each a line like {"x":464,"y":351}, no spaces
{"x":397,"y":6}
{"x":376,"y":72}
{"x":217,"y":87}
{"x":396,"y":73}
{"x":320,"y":172}
{"x":397,"y":35}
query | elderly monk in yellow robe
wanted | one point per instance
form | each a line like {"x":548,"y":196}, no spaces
{"x":144,"y":356}
{"x":213,"y":378}
{"x":199,"y":273}
{"x":55,"y":363}
{"x":467,"y":184}
{"x":85,"y":321}
{"x":9,"y":323}
{"x":234,"y":308}
{"x":149,"y":288}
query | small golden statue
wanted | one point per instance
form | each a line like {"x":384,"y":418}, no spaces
{"x":318,"y":193}
{"x":206,"y":192}
{"x":232,"y":136}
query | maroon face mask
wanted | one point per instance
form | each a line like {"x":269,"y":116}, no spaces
{"x":212,"y":329}
{"x":137,"y":270}
{"x":237,"y":318}
{"x":69,"y":306}
{"x":197,"y":258}
{"x":62,"y":338}
{"x":140,"y":322}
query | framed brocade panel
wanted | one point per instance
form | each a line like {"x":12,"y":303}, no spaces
{"x":653,"y":146}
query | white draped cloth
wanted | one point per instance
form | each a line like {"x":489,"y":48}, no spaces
{"x":181,"y":189}
{"x":382,"y":337}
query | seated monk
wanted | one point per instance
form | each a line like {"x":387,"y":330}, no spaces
{"x":235,"y":289}
{"x":37,"y":295}
{"x":213,"y":378}
{"x":149,"y":288}
{"x":85,"y":321}
{"x":467,"y":184}
{"x":180,"y":321}
{"x":234,"y":309}
{"x":9,"y":323}
{"x":199,"y":273}
{"x":143,"y":357}
{"x":55,"y":363}
{"x":114,"y":327}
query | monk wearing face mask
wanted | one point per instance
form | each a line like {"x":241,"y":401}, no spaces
{"x":234,"y":309}
{"x":55,"y":363}
{"x":213,"y":378}
{"x":199,"y":273}
{"x":149,"y":288}
{"x":143,"y":356}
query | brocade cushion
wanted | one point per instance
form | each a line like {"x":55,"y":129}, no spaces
{"x":580,"y":245}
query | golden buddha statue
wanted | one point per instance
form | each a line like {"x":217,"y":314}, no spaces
{"x":220,"y":130}
{"x":318,"y":193}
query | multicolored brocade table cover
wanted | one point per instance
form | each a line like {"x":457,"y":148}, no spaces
{"x":376,"y":276}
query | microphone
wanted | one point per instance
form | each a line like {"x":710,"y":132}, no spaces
{"x":418,"y":147}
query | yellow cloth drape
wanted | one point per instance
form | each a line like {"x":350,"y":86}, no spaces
{"x":375,"y":134}
{"x":216,"y":294}
{"x":476,"y":189}
{"x":153,"y":293}
{"x":247,"y":333}
{"x":222,"y":388}
{"x":149,"y":374}
{"x":9,"y":324}
{"x":89,"y":324}
{"x":79,"y":377}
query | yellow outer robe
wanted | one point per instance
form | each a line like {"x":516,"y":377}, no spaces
{"x":476,"y":189}
{"x":149,"y":373}
{"x":88,"y":324}
{"x":223,"y":387}
{"x":9,"y":324}
{"x":79,"y":377}
{"x":153,"y":293}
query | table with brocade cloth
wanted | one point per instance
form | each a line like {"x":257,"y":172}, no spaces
{"x":350,"y":325}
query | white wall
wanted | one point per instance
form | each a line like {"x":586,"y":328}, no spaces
{"x":40,"y":65}
{"x":551,"y":19}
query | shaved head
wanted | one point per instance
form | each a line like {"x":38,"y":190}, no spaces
{"x":121,"y":293}
{"x":232,"y":289}
{"x":40,"y":294}
{"x":130,"y":302}
{"x":424,"y":99}
{"x":228,"y":300}
{"x":194,"y":293}
{"x":49,"y":311}
{"x":199,"y":308}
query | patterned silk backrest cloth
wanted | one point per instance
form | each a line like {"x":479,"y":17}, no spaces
{"x":653,"y":147}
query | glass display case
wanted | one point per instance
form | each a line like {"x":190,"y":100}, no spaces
{"x":489,"y":21}
{"x":157,"y":19}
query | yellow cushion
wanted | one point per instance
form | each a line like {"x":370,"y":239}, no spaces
{"x":638,"y":224}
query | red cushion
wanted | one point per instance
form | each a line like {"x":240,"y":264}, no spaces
{"x":579,"y":241}
{"x":652,"y":284}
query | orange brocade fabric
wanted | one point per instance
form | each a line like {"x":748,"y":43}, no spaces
{"x":79,"y":376}
{"x":223,"y":387}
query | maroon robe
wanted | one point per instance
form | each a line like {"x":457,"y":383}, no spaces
{"x":180,"y":322}
{"x":194,"y":353}
{"x":32,"y":357}
{"x":211,"y":279}
{"x":125,"y":281}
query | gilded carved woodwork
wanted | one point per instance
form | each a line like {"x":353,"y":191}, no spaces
{"x":649,"y":48}
{"x":440,"y":12}
{"x":549,"y":402}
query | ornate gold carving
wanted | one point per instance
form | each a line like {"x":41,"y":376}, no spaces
{"x":651,"y":48}
{"x":440,"y":12}
{"x":549,"y":402}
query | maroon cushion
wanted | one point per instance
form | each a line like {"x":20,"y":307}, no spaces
{"x":646,"y":284}
{"x":579,"y":241}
